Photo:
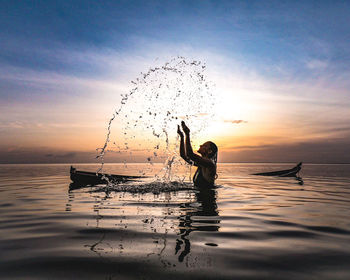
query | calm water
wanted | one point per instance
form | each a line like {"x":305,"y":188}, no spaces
{"x":249,"y":227}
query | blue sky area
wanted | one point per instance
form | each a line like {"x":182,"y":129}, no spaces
{"x":260,"y":32}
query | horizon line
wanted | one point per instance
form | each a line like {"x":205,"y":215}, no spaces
{"x":122,"y":163}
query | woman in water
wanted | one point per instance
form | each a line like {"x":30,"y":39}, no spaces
{"x":206,"y":163}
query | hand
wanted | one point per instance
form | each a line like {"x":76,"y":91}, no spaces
{"x":185,"y":128}
{"x":179,"y":132}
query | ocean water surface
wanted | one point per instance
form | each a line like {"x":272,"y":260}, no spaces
{"x":248,"y":227}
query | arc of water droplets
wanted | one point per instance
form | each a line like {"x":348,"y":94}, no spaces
{"x":150,"y":86}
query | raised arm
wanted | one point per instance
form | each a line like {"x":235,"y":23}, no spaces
{"x":189,"y":151}
{"x":182,"y":144}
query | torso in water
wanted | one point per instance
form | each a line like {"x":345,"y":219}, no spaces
{"x":204,"y":177}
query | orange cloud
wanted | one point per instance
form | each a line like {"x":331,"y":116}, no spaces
{"x":235,"y":121}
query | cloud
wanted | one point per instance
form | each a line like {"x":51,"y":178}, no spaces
{"x":248,"y":147}
{"x":43,"y":155}
{"x":43,"y":83}
{"x":322,"y":151}
{"x":49,"y":155}
{"x":316,"y":64}
{"x":34,"y":124}
{"x":69,"y":155}
{"x":12,"y":124}
{"x":235,"y":121}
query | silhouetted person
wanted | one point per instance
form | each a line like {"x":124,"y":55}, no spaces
{"x":206,"y":162}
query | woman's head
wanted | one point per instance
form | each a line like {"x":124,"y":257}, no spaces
{"x":208,"y":149}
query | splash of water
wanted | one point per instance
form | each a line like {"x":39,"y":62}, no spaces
{"x":155,"y":187}
{"x":149,"y":113}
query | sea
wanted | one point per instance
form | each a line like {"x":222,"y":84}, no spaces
{"x":247,"y":227}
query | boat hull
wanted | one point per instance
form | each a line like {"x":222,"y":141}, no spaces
{"x":283,"y":173}
{"x":83,"y":178}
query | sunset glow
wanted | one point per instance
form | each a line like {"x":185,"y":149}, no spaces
{"x":280,"y":96}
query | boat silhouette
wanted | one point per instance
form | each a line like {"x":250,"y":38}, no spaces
{"x":283,"y":173}
{"x":81,"y":179}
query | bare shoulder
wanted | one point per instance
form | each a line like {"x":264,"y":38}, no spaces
{"x":204,"y":162}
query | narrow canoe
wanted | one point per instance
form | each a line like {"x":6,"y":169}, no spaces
{"x":85,"y":178}
{"x":283,"y":173}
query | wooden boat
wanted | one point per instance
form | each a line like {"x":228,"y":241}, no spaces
{"x":83,"y":178}
{"x":283,"y":173}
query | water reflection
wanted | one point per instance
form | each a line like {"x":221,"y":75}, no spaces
{"x":300,"y":180}
{"x":198,"y":213}
{"x":69,"y":202}
{"x":196,"y":217}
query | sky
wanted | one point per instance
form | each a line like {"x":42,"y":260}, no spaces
{"x":281,"y":71}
